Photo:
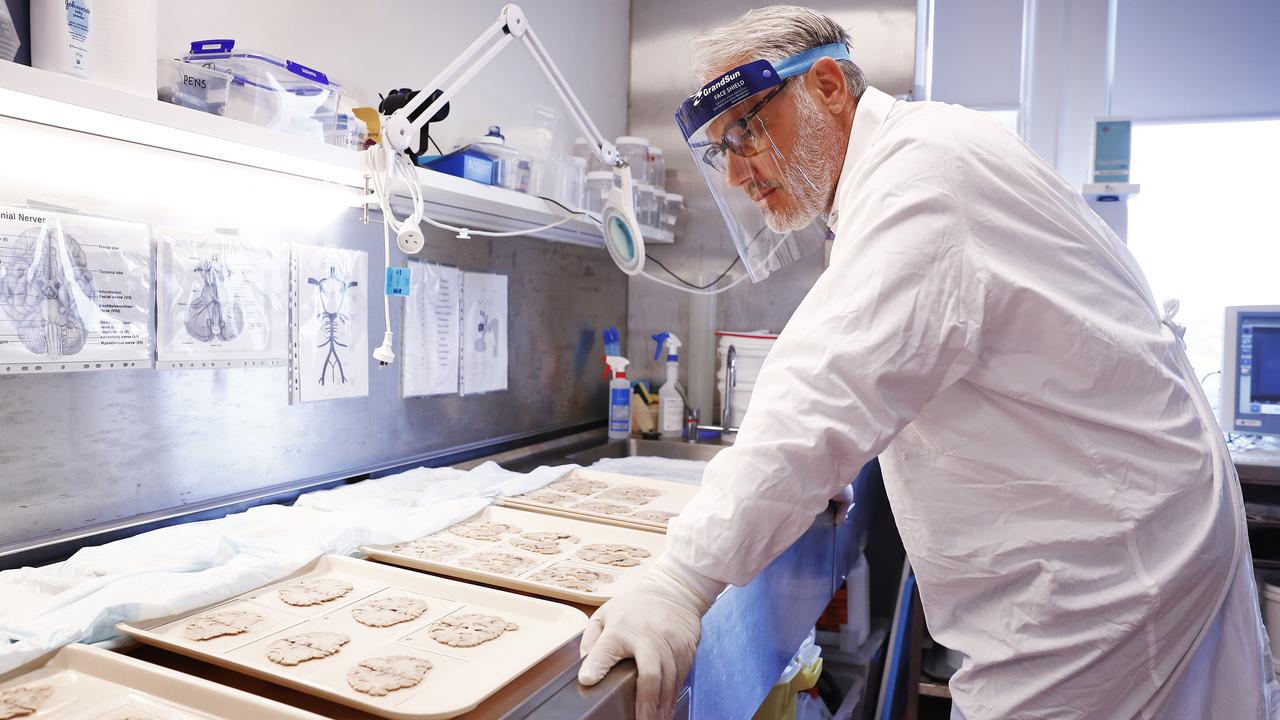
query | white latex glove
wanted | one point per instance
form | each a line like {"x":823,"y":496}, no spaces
{"x":843,"y":501}
{"x":657,"y":622}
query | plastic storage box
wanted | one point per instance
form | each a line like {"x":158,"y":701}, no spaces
{"x":253,"y":87}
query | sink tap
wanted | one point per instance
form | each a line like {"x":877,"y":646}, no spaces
{"x":730,"y":382}
{"x":691,"y":427}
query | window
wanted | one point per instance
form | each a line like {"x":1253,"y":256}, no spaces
{"x":1206,"y":226}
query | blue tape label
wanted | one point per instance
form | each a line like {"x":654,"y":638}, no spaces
{"x":398,"y":281}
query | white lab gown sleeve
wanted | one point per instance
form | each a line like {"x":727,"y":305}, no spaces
{"x":896,"y":317}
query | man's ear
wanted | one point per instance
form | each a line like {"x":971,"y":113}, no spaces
{"x":826,"y":84}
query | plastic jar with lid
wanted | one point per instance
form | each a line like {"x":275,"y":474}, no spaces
{"x":494,"y":144}
{"x":657,"y":170}
{"x":635,"y":150}
{"x":598,"y":186}
{"x":672,"y":212}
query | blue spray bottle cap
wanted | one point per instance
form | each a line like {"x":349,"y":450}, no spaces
{"x":612,"y":341}
{"x":671,"y":342}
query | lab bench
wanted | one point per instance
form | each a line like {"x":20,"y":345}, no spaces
{"x":1259,"y":472}
{"x":748,"y":636}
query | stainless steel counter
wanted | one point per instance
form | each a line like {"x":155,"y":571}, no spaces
{"x":747,"y":638}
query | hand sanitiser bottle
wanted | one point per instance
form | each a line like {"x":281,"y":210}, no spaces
{"x":619,"y":398}
{"x":670,"y":400}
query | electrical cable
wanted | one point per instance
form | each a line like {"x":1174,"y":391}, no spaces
{"x":685,"y":285}
{"x":692,"y":291}
{"x":386,"y":299}
{"x":682,"y":281}
{"x":467,"y":232}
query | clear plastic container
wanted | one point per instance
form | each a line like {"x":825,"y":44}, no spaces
{"x":504,"y":156}
{"x":647,"y":208}
{"x":635,"y":150}
{"x":193,"y":86}
{"x":270,"y":91}
{"x":346,"y":131}
{"x":658,"y":169}
{"x":672,"y":213}
{"x":573,"y":181}
{"x":598,"y":186}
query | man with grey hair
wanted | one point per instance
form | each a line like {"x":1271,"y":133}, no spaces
{"x":1060,"y":483}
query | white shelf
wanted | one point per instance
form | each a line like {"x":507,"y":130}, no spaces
{"x":38,"y":96}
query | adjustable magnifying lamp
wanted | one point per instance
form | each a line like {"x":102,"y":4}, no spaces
{"x":621,"y":230}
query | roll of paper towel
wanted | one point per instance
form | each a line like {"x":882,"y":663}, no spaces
{"x":108,"y":42}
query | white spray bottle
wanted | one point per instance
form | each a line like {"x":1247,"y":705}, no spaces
{"x":670,"y":400}
{"x":619,"y":398}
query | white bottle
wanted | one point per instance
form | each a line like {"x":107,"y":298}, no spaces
{"x":619,"y":399}
{"x":670,"y":401}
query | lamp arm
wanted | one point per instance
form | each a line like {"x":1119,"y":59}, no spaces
{"x":604,"y":149}
{"x":401,"y":133}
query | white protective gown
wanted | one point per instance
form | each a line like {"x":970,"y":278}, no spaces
{"x":1060,"y":483}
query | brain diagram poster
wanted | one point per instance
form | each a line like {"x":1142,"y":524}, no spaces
{"x":223,"y":301}
{"x":75,"y":292}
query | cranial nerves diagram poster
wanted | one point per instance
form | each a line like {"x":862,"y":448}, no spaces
{"x":331,"y":359}
{"x":223,"y":301}
{"x":75,"y":292}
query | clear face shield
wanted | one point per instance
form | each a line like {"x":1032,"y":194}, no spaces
{"x":760,"y":161}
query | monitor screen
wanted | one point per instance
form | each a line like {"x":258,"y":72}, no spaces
{"x":1265,"y":357}
{"x":1257,"y":344}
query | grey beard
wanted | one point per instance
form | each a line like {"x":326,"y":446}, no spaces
{"x":807,"y":175}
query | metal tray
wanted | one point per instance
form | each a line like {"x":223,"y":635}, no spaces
{"x":672,"y":498}
{"x":91,"y":683}
{"x":452,"y":562}
{"x":461,"y":677}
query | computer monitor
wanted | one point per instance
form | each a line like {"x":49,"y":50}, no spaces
{"x":1251,"y":370}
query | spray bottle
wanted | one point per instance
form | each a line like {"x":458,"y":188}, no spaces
{"x":619,"y":398}
{"x":670,"y":400}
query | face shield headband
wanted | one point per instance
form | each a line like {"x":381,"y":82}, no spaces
{"x":765,"y":197}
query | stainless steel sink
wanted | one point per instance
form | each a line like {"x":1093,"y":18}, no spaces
{"x":648,"y":448}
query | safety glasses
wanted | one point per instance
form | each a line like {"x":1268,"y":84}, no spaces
{"x":739,"y":138}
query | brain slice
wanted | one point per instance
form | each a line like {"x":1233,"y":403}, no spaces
{"x":44,"y":276}
{"x":629,"y":494}
{"x":573,"y":578}
{"x":379,"y":676}
{"x":485,"y":531}
{"x":296,"y":649}
{"x":547,"y":497}
{"x":613,"y":554}
{"x":224,"y":622}
{"x":469,"y":629}
{"x":313,"y":591}
{"x":23,"y":701}
{"x":497,"y":562}
{"x":578,"y":486}
{"x":656,"y":516}
{"x":430,"y":549}
{"x":543,"y":543}
{"x":388,"y":611}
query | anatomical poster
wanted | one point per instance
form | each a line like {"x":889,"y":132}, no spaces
{"x":75,"y":292}
{"x":484,"y":333}
{"x":431,"y":325}
{"x":222,"y":299}
{"x":330,"y":323}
